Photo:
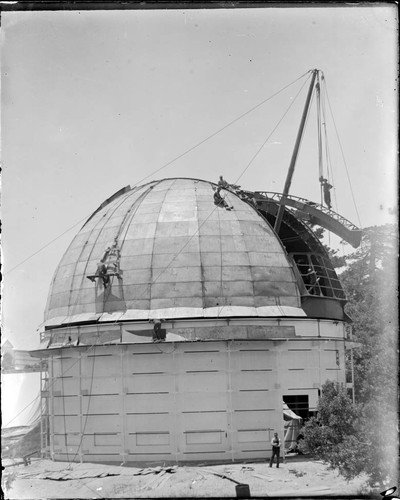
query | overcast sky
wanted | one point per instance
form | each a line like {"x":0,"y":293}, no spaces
{"x":95,"y":100}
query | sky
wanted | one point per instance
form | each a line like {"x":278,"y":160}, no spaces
{"x":92,"y":101}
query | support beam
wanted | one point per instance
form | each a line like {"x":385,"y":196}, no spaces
{"x":295,"y":153}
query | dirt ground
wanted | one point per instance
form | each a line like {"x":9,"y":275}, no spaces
{"x":295,"y":477}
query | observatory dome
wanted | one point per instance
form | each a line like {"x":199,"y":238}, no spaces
{"x":176,"y":254}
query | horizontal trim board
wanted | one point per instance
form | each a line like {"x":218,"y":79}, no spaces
{"x":96,"y":414}
{"x":92,"y":395}
{"x":257,"y":449}
{"x":202,"y":371}
{"x":202,"y":352}
{"x":143,"y":454}
{"x":253,"y":350}
{"x":259,"y":370}
{"x":146,"y":393}
{"x":99,"y":454}
{"x":67,"y":415}
{"x":147,"y":432}
{"x":207,"y":411}
{"x":146,"y":353}
{"x":203,"y":431}
{"x":149,"y":373}
{"x":100,"y":355}
{"x":253,"y":390}
{"x":302,"y":389}
{"x":149,"y":413}
{"x":262,"y":409}
{"x":222,"y":452}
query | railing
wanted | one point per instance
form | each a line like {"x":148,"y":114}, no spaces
{"x":269,"y":195}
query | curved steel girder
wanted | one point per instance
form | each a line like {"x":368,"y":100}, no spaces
{"x":315,"y":214}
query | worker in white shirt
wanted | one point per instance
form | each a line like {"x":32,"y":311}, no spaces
{"x":276,"y":449}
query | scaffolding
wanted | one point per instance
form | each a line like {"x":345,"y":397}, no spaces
{"x":44,"y":410}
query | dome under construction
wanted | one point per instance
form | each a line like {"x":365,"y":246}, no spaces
{"x":179,"y":320}
{"x":177,"y":254}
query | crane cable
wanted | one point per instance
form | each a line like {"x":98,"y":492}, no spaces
{"x":320,"y":162}
{"x":164,"y":166}
{"x":327,"y":149}
{"x":343,"y":156}
{"x":170,"y":162}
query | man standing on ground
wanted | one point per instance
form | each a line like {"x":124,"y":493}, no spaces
{"x":276,"y":448}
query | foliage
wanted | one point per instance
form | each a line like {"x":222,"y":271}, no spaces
{"x":345,"y":436}
{"x":364,"y":437}
{"x":370,"y":284}
{"x":7,"y":479}
{"x":336,"y":259}
{"x":333,"y":436}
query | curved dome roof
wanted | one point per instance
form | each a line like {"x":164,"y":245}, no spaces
{"x":179,"y":253}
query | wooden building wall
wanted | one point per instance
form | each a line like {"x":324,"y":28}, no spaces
{"x":181,"y":401}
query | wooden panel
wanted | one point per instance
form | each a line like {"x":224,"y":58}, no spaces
{"x":328,"y":358}
{"x":253,"y":360}
{"x":148,"y":403}
{"x":252,"y":420}
{"x":253,"y":400}
{"x":198,"y":361}
{"x":299,"y":378}
{"x":253,"y":380}
{"x":67,"y":366}
{"x":104,"y":439}
{"x":149,"y":383}
{"x":259,"y":436}
{"x":148,"y":423}
{"x":100,"y":365}
{"x":142,"y":362}
{"x":66,"y":405}
{"x":204,"y":437}
{"x":104,"y":405}
{"x":202,"y":421}
{"x":191,"y":402}
{"x":202,"y":383}
{"x":67,"y":386}
{"x":300,"y":358}
{"x":102,"y":423}
{"x":64,"y":425}
{"x":101,"y":385}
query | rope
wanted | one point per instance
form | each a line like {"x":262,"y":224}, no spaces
{"x":169,"y":163}
{"x":320,"y":165}
{"x":223,"y":128}
{"x":45,"y":246}
{"x":273,"y":130}
{"x":248,"y":165}
{"x":197,"y":231}
{"x":343,"y":157}
{"x":88,"y":405}
{"x":327,"y":152}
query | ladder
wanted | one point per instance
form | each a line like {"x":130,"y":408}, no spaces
{"x":44,"y":410}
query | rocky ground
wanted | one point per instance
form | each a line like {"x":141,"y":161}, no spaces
{"x":300,"y":478}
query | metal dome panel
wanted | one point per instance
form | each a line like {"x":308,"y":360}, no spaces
{"x":178,"y":250}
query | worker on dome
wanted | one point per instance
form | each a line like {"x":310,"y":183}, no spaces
{"x":326,"y":188}
{"x":222,"y":183}
{"x":220,"y":201}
